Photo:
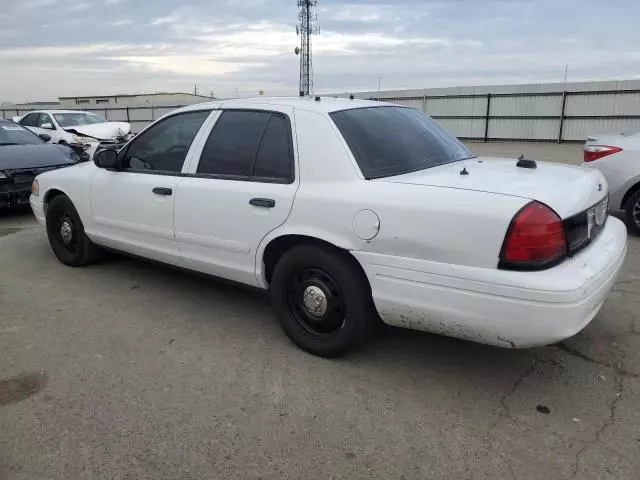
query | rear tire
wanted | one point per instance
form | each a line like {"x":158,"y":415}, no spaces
{"x":322,"y":300}
{"x":632,"y":213}
{"x":66,"y":234}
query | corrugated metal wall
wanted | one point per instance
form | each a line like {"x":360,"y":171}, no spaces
{"x":538,"y":112}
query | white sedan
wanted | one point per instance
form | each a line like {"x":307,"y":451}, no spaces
{"x":348,"y":212}
{"x":84,"y":130}
{"x":618,"y":158}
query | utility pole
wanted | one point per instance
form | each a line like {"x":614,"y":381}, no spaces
{"x":307,"y":26}
{"x":195,"y":89}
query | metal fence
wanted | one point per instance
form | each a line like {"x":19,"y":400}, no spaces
{"x":563,"y":116}
{"x":138,"y":117}
{"x":544,"y":112}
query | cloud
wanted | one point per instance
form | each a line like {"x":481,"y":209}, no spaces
{"x":33,"y":4}
{"x":248,"y":45}
{"x":120,"y":23}
{"x":80,"y":6}
{"x":164,"y":20}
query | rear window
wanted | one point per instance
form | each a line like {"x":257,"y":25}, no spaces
{"x":387,"y":141}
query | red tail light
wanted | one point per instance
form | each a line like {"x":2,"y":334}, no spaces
{"x":594,"y":152}
{"x":535,"y":239}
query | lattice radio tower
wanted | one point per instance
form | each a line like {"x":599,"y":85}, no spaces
{"x":307,"y":26}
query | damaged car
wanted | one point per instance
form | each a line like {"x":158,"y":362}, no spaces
{"x":85,"y":132}
{"x":23,"y":155}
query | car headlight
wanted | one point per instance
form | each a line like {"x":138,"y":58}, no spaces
{"x":79,"y":139}
{"x":2,"y":175}
{"x":35,"y":188}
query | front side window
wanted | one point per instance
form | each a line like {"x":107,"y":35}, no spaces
{"x":44,"y":121}
{"x":72,"y":119}
{"x":249,"y":144}
{"x":388,"y":141}
{"x":164,"y":146}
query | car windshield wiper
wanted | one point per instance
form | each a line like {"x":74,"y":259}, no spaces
{"x":8,"y":143}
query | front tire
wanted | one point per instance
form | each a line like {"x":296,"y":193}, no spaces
{"x":632,"y":213}
{"x":322,"y":300}
{"x":66,"y":234}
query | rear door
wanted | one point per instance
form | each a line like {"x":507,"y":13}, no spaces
{"x":30,"y":121}
{"x":241,"y":188}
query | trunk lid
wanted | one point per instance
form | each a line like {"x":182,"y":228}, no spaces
{"x":567,"y":189}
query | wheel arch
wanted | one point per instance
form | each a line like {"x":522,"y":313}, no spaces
{"x":274,"y":246}
{"x":630,"y":192}
{"x":50,"y":194}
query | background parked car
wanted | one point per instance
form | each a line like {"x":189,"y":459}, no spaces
{"x":23,"y":155}
{"x":618,"y":158}
{"x":83,"y":131}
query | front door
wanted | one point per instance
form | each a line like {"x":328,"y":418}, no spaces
{"x":241,"y":189}
{"x":132,"y":208}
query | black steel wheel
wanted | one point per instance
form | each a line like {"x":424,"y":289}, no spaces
{"x":66,"y":234}
{"x":316,"y":302}
{"x":633,"y":213}
{"x":323,"y":300}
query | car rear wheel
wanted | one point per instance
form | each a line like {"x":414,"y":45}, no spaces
{"x":66,"y":234}
{"x":633,"y":213}
{"x":322,"y":300}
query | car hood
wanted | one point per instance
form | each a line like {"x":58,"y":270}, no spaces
{"x":565,"y":188}
{"x":14,"y":157}
{"x":102,"y":131}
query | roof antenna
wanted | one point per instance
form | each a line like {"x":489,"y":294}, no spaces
{"x":526,"y":163}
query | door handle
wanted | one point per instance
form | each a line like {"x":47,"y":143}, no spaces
{"x":263,"y":202}
{"x":162,"y":191}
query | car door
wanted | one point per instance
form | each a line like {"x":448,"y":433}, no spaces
{"x":44,"y":124}
{"x":30,"y":121}
{"x":132,"y":208}
{"x":240,"y":188}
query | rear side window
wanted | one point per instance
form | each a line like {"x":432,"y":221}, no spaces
{"x":388,"y":141}
{"x":30,"y":120}
{"x":248,"y":145}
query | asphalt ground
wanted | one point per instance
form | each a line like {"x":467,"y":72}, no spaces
{"x":128,"y":370}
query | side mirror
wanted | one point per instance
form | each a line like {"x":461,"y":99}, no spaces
{"x":106,"y":159}
{"x":47,"y":126}
{"x":45,"y":137}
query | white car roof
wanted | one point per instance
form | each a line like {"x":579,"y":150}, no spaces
{"x":312,"y":103}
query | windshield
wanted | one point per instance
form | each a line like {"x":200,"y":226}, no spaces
{"x":13,"y":134}
{"x":388,"y":141}
{"x":74,"y":119}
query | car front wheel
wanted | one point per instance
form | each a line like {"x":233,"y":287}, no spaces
{"x":66,"y":234}
{"x":322,"y":300}
{"x":633,"y":213}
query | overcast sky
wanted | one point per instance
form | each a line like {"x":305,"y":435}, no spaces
{"x":52,"y":48}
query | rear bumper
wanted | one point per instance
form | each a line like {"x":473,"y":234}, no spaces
{"x":498,"y":307}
